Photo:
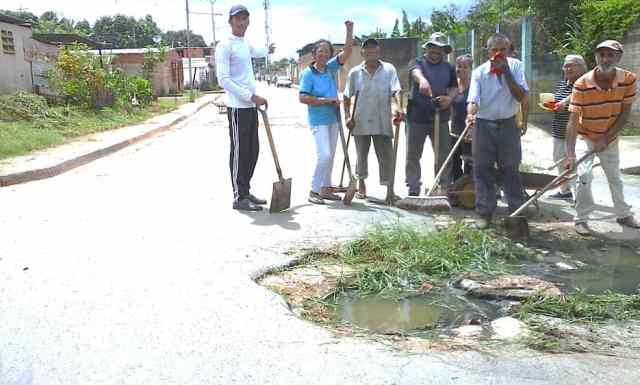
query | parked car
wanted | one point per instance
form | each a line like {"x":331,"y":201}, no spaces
{"x":283,"y":81}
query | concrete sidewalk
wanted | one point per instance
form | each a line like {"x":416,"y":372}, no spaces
{"x":80,"y":151}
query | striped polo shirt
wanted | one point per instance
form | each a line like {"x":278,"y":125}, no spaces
{"x":561,"y":118}
{"x":598,"y":109}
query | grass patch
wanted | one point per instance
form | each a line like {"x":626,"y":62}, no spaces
{"x":584,"y":308}
{"x":19,"y":137}
{"x":399,"y":259}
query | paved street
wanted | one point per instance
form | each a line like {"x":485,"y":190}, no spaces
{"x":134,"y":269}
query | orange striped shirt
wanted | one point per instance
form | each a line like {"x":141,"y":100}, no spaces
{"x":598,"y":109}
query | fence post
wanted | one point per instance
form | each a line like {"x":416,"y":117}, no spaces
{"x":527,"y":45}
{"x":473,"y":47}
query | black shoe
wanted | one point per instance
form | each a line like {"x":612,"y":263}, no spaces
{"x":246,"y":205}
{"x":561,"y":195}
{"x":414,"y":193}
{"x":256,"y":200}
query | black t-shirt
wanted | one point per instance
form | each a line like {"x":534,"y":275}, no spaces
{"x":459,"y":105}
{"x":441,"y":76}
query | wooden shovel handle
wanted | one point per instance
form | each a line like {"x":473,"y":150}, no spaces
{"x":446,"y":161}
{"x":267,"y":127}
{"x":551,"y":184}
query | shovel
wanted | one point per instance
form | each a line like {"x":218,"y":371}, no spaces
{"x":281,"y":195}
{"x":351,"y":190}
{"x":390,"y":193}
{"x":341,"y":188}
{"x":516,"y":226}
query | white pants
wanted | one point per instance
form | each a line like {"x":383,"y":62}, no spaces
{"x":610,"y":162}
{"x":559,"y":152}
{"x":326,"y":137}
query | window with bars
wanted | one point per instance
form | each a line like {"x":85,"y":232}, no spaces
{"x":8,"y":45}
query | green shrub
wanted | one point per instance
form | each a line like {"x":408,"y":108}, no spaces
{"x":23,"y":106}
{"x":142,"y":90}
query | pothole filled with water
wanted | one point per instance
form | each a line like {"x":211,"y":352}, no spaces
{"x":576,"y":296}
{"x":443,"y":309}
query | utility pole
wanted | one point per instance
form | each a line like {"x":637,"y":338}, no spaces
{"x":213,"y":24}
{"x":267,"y":33}
{"x":191,"y":96}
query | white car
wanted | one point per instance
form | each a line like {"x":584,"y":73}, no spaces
{"x":283,"y":82}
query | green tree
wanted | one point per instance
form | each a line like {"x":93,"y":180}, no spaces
{"x":396,"y":30}
{"x":20,"y":14}
{"x":125,"y":31}
{"x":418,"y":28}
{"x":179,"y":39}
{"x":378,"y":34}
{"x":84,"y":28}
{"x":406,"y":26}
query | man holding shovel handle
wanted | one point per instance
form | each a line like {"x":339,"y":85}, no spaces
{"x":378,"y":88}
{"x":235,"y":74}
{"x":600,"y":107}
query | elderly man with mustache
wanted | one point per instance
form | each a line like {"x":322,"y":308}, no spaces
{"x":600,"y":106}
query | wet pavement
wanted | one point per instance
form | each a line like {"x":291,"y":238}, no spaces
{"x":135,"y":270}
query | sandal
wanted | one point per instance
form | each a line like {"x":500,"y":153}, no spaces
{"x":330,"y":196}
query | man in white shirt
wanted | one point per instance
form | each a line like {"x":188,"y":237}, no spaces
{"x":235,"y":74}
{"x":497,"y":88}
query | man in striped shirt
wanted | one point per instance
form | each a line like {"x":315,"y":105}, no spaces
{"x":574,"y":67}
{"x":600,"y":106}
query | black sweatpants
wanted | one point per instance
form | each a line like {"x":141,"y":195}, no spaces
{"x":243,"y":132}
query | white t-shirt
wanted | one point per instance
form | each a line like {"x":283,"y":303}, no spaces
{"x":235,"y":70}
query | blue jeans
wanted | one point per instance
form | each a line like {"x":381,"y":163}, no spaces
{"x":326,"y":137}
{"x":496,"y":141}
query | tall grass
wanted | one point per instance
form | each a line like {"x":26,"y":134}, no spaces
{"x":402,"y":257}
{"x":582,"y":307}
{"x":19,"y":137}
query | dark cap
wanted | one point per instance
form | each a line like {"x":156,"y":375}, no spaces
{"x":371,"y":42}
{"x":236,"y":9}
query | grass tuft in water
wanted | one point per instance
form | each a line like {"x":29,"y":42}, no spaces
{"x":402,"y":257}
{"x":582,"y":307}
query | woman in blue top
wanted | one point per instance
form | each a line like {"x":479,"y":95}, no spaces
{"x":318,"y":90}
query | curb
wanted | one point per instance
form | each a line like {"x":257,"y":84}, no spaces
{"x":68,"y":165}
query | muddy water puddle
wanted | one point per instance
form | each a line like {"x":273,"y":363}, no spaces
{"x":443,"y":309}
{"x":592,"y":268}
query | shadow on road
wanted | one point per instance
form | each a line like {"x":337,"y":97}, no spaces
{"x":284,"y":219}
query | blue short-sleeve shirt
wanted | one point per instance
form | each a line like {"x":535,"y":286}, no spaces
{"x":321,"y":85}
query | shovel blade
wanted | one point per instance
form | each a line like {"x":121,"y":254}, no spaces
{"x":281,"y":196}
{"x":517,"y":228}
{"x":350,"y":193}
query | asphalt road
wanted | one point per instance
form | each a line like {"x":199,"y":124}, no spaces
{"x":135,"y":270}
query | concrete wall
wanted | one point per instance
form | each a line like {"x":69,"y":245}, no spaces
{"x":631,"y":58}
{"x":15,"y":71}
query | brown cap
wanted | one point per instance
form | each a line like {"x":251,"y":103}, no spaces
{"x":612,"y":44}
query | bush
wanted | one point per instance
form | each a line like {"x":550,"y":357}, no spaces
{"x":142,"y":90}
{"x":86,"y":80}
{"x":23,"y":106}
